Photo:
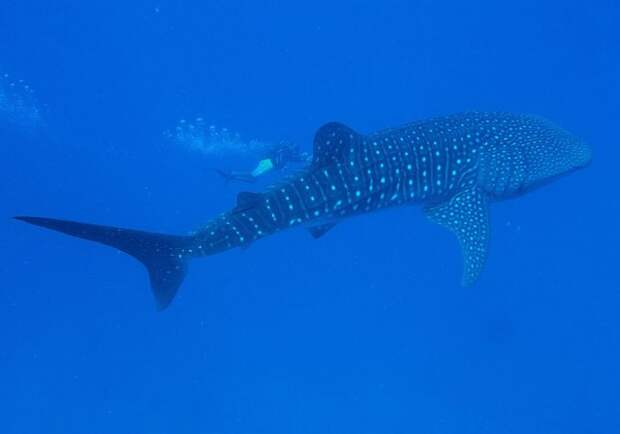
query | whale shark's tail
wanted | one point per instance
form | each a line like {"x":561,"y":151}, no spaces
{"x":164,"y":256}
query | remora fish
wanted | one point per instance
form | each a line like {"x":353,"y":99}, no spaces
{"x":453,"y":166}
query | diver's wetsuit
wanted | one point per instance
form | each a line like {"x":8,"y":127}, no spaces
{"x":277,"y":159}
{"x":287,"y":153}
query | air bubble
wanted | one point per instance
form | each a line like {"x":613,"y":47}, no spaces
{"x":19,"y":108}
{"x":214,"y":141}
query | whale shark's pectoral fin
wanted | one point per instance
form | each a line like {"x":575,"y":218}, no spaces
{"x":466,"y":215}
{"x":319,"y":231}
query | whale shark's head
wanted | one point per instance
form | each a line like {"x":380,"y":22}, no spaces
{"x":578,"y":154}
{"x":560,"y":152}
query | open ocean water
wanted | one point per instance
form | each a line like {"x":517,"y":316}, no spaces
{"x":116,"y":113}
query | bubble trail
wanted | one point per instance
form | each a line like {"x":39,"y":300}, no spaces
{"x":213,"y":141}
{"x":19,"y":106}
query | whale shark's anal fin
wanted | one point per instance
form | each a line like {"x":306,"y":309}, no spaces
{"x":466,"y":215}
{"x":165,"y":256}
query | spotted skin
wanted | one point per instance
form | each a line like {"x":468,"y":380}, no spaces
{"x":453,"y":166}
{"x":466,"y":214}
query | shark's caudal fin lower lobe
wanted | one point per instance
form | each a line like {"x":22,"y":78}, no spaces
{"x":162,"y":255}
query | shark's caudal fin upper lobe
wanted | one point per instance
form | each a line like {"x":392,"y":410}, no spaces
{"x":163,"y":255}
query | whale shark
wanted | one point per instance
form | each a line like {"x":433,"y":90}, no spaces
{"x":453,"y":167}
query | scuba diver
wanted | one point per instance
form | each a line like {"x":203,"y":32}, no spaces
{"x":215,"y":142}
{"x":277,"y":158}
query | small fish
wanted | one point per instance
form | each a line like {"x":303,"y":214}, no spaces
{"x":453,"y":167}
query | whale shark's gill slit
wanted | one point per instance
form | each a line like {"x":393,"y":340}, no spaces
{"x":164,"y":256}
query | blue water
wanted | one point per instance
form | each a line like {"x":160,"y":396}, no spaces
{"x":366,"y":330}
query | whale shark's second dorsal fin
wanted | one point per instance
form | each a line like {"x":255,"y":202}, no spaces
{"x":466,"y":215}
{"x":247,"y":200}
{"x":331,"y":143}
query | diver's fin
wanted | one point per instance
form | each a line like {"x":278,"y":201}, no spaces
{"x":319,"y":231}
{"x":225,"y":175}
{"x":165,"y":256}
{"x":248,"y":178}
{"x":466,"y":215}
{"x":332,"y":141}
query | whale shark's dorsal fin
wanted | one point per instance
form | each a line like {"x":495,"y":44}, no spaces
{"x":466,"y":215}
{"x":331,"y":143}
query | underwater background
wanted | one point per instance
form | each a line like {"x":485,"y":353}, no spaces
{"x":366,"y":330}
